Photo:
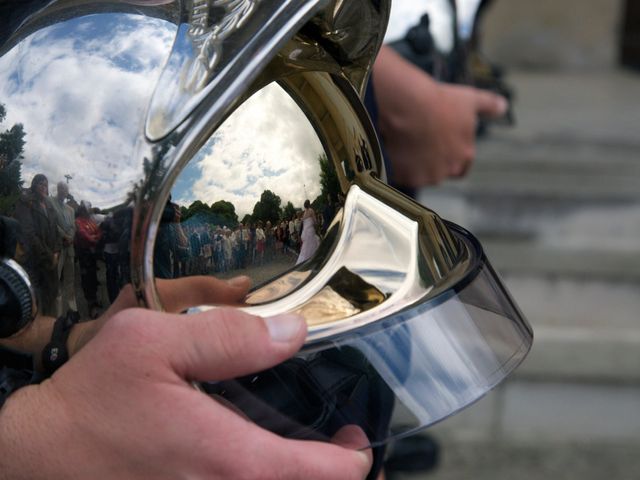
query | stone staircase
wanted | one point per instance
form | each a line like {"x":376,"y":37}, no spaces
{"x":556,"y":204}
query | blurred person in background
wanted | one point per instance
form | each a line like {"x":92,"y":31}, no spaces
{"x":41,"y":242}
{"x":88,"y":235}
{"x":66,"y":264}
{"x":428,"y":128}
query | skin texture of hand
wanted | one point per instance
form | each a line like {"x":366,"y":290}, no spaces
{"x":123,"y":407}
{"x":177,"y":295}
{"x":428,"y":128}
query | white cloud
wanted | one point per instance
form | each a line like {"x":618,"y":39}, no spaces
{"x":407,"y":13}
{"x":83,"y":100}
{"x":267,"y":143}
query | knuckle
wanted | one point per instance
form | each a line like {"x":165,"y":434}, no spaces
{"x":232,"y":332}
{"x":131,"y":329}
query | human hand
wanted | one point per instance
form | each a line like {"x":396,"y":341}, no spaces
{"x":428,"y":128}
{"x":123,"y":407}
{"x":176,"y":294}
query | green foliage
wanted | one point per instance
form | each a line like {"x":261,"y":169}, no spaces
{"x":11,"y":148}
{"x":195,"y":207}
{"x":225,"y":212}
{"x":12,"y":143}
{"x":220,"y":213}
{"x":267,"y":208}
{"x":329,"y":183}
{"x":288,"y":211}
{"x":318,"y":203}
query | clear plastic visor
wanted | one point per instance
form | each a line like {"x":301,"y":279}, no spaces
{"x":399,"y":375}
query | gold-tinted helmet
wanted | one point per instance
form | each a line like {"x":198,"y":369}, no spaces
{"x":186,"y":137}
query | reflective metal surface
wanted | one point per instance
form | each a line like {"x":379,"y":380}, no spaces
{"x":467,"y":11}
{"x":113,"y":100}
{"x":417,"y":366}
{"x":75,"y":83}
{"x":159,"y":139}
{"x":441,"y":21}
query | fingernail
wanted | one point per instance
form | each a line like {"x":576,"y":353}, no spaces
{"x":239,"y":281}
{"x":284,"y":328}
{"x":501,"y":105}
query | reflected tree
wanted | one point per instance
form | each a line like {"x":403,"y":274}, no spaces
{"x":11,"y":148}
{"x":196,"y":207}
{"x":288,"y":211}
{"x":329,"y":182}
{"x":219,"y":213}
{"x":267,"y":208}
{"x":225,"y":213}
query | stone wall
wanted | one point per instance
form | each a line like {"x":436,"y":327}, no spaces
{"x":552,"y":34}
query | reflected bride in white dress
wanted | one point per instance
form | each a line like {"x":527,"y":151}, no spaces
{"x":310,"y":239}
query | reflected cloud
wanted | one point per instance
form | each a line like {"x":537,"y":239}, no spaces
{"x":81,"y":89}
{"x":467,"y":10}
{"x":405,"y":15}
{"x":267,"y":144}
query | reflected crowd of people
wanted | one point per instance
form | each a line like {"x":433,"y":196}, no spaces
{"x":69,"y":249}
{"x":78,"y":257}
{"x":194,"y":247}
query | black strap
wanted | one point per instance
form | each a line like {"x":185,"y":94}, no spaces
{"x":55,"y":354}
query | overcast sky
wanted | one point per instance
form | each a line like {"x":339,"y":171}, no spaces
{"x":267,"y":143}
{"x":81,"y":89}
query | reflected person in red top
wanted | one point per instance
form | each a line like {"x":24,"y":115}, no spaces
{"x":88,"y":235}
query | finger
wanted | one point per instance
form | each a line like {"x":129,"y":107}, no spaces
{"x":490,"y":105}
{"x":179,"y":294}
{"x":353,"y":438}
{"x":226,"y":343}
{"x":462,"y":164}
{"x":294,"y":459}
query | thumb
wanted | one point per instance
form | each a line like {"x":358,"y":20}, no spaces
{"x":226,"y":343}
{"x":490,"y":105}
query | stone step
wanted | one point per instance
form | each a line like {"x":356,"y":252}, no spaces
{"x":560,"y":169}
{"x":587,"y":355}
{"x":556,"y":202}
{"x":548,"y":223}
{"x":574,"y":303}
{"x":541,"y":459}
{"x":544,"y":238}
{"x":618,"y":262}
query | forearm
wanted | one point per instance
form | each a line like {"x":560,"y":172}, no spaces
{"x":390,"y":73}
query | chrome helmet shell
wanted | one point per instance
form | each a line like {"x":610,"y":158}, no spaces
{"x":150,"y":112}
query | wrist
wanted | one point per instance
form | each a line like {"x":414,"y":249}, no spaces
{"x":56,"y":353}
{"x":399,"y":113}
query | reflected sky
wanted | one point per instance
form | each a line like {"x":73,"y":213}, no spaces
{"x":81,"y":89}
{"x":267,"y":143}
{"x":466,"y":14}
{"x":439,"y":359}
{"x":406,"y":14}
